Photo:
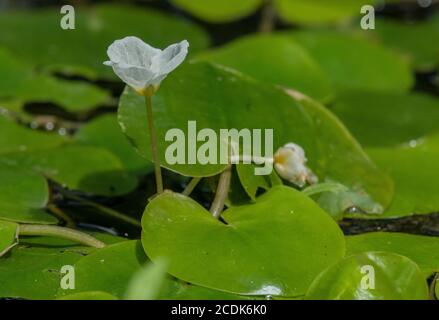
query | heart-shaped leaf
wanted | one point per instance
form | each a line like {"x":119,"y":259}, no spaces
{"x":421,"y":249}
{"x":396,"y":118}
{"x":84,"y":168}
{"x":218,"y":11}
{"x":8,"y":236}
{"x":274,"y":59}
{"x":223,"y":99}
{"x":370,"y":276}
{"x":37,"y":36}
{"x":23,"y":196}
{"x":354,"y":62}
{"x":267,"y":248}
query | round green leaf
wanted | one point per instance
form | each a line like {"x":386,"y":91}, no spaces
{"x":421,"y":249}
{"x":218,"y":11}
{"x":267,"y":248}
{"x":85,"y":168}
{"x":277,"y":60}
{"x":396,"y":118}
{"x":223,"y":99}
{"x":395,"y":277}
{"x":105,"y":132}
{"x":37,"y":36}
{"x":23,"y":196}
{"x":89,"y":295}
{"x":353,"y":62}
{"x":320,"y":11}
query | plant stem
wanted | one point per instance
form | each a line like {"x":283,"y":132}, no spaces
{"x":433,"y":285}
{"x":191,"y":186}
{"x":268,"y":17}
{"x":61,"y":215}
{"x":59,"y":232}
{"x":221,"y":192}
{"x":108,"y":211}
{"x":154,"y":146}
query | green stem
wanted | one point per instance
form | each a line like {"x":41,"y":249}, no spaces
{"x":268,"y":17}
{"x":191,"y":186}
{"x":108,"y":211}
{"x":57,"y":212}
{"x":154,"y":146}
{"x":221,"y":192}
{"x":59,"y":232}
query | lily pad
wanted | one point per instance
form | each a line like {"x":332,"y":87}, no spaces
{"x":89,"y":295}
{"x":395,"y":118}
{"x":8,"y":236}
{"x":219,"y":11}
{"x":85,"y":168}
{"x":18,"y":138}
{"x":354,"y":62}
{"x":224,"y":99}
{"x":23,"y":196}
{"x":421,"y":249}
{"x":105,"y":132}
{"x":267,"y":248}
{"x":394,"y":277}
{"x":109,"y":269}
{"x":38,"y":38}
{"x":412,"y":39}
{"x":274,"y":59}
{"x":312,"y":12}
{"x":414,"y":171}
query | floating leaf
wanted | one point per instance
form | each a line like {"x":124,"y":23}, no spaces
{"x":395,"y":118}
{"x":320,"y":11}
{"x":219,"y":11}
{"x":393,"y":277}
{"x":267,"y":248}
{"x":277,"y":60}
{"x":84,"y":168}
{"x":413,"y":39}
{"x":421,"y":249}
{"x":105,"y":132}
{"x":89,"y":295}
{"x":37,"y":36}
{"x":353,"y":62}
{"x":224,"y":100}
{"x":23,"y":196}
{"x":8,"y":236}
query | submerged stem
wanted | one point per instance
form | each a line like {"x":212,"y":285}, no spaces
{"x":268,"y":17}
{"x":154,"y":146}
{"x":221,"y":192}
{"x":59,"y":232}
{"x":191,"y":186}
{"x":108,"y":211}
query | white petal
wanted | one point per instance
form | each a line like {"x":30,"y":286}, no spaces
{"x":138,"y":78}
{"x":171,"y":57}
{"x":132,"y":51}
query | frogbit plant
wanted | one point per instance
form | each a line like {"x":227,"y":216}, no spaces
{"x":143,"y":68}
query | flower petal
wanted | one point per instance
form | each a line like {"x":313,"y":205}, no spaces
{"x":171,"y":57}
{"x":132,"y":51}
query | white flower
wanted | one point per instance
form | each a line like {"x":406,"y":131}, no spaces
{"x":141,"y":66}
{"x":290,"y":164}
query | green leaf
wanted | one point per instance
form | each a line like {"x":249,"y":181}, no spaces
{"x":17,"y":138}
{"x":8,"y":236}
{"x":421,"y":249}
{"x":84,"y":168}
{"x":38,"y":38}
{"x":310,"y":12}
{"x":415,"y":173}
{"x":396,"y":278}
{"x":324,"y":187}
{"x":267,"y":248}
{"x":35,"y":272}
{"x":21,"y":82}
{"x":89,"y":295}
{"x":148,"y":282}
{"x":105,"y":132}
{"x":180,"y":290}
{"x":223,"y":99}
{"x":109,"y":269}
{"x":251,"y":182}
{"x":396,"y":118}
{"x":23,"y":196}
{"x":353,"y":62}
{"x":219,"y":11}
{"x":274,"y":59}
{"x":412,"y":39}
